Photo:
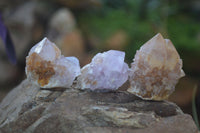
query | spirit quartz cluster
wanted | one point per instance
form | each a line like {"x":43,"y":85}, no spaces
{"x":106,"y":71}
{"x":156,"y":69}
{"x":47,"y":68}
{"x":153,"y":75}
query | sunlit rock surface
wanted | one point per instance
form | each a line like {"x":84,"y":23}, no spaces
{"x":46,"y":67}
{"x":106,"y":71}
{"x":156,"y":69}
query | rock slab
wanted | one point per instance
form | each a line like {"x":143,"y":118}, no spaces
{"x":29,"y":109}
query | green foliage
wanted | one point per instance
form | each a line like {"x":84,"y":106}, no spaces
{"x":141,"y":20}
{"x":183,"y":31}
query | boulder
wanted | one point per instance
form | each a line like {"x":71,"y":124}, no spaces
{"x":63,"y":31}
{"x":30,"y":109}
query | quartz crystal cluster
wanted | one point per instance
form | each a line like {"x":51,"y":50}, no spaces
{"x":153,"y":75}
{"x":106,"y":71}
{"x":156,"y":69}
{"x":47,"y":68}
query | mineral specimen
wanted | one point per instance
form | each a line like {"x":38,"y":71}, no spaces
{"x":106,"y":71}
{"x":156,"y":69}
{"x":46,"y":67}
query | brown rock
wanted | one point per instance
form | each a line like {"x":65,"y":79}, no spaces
{"x":63,"y":31}
{"x":30,"y":109}
{"x":184,"y":88}
{"x":72,"y":44}
{"x":117,"y":41}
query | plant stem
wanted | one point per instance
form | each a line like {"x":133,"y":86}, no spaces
{"x":194,"y":110}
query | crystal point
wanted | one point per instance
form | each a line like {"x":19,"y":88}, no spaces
{"x":156,"y":69}
{"x":43,"y":48}
{"x":46,"y":67}
{"x":106,"y":71}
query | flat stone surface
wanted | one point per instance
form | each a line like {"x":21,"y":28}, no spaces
{"x":30,"y":109}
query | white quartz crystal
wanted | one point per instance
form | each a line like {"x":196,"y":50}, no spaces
{"x":106,"y":71}
{"x":47,"y":68}
{"x":156,"y":69}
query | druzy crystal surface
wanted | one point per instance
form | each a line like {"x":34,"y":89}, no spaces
{"x":156,"y":69}
{"x":106,"y":71}
{"x":47,"y":68}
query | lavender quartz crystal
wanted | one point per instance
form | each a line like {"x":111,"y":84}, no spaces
{"x":47,"y":68}
{"x":156,"y":69}
{"x":106,"y":71}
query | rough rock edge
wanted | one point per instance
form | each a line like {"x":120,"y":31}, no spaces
{"x":30,"y":109}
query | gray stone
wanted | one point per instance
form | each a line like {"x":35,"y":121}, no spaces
{"x":8,"y":72}
{"x":62,"y":30}
{"x":30,"y":109}
{"x":20,"y":22}
{"x":61,"y":23}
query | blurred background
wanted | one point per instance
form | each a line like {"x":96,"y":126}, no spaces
{"x":83,"y":28}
